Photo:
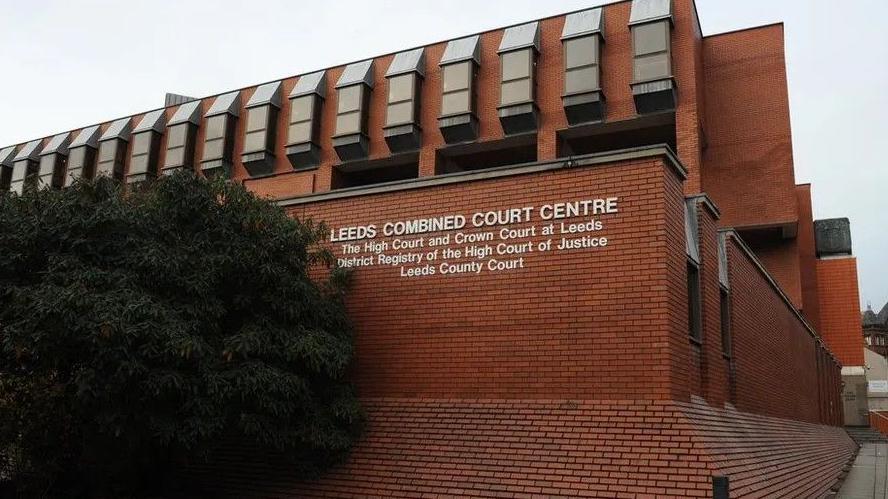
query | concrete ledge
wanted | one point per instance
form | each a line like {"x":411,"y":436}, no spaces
{"x":655,"y":151}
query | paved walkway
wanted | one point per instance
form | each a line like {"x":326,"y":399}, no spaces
{"x":868,"y":478}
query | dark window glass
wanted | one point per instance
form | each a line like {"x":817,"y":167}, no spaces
{"x":695,"y":318}
{"x":726,"y":322}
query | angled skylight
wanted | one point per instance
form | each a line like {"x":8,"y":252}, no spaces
{"x":650,"y":10}
{"x":359,"y":72}
{"x":30,"y":151}
{"x":120,"y":129}
{"x":226,"y":104}
{"x":152,"y":121}
{"x":519,"y":37}
{"x":464,"y":49}
{"x":270,"y":93}
{"x":314,"y":83}
{"x":58,"y":144}
{"x":87,"y":137}
{"x":187,"y":113}
{"x":6,"y":155}
{"x":411,"y":61}
{"x":587,"y":22}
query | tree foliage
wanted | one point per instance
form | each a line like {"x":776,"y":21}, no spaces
{"x":138,"y":329}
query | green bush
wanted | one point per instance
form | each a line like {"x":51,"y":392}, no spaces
{"x":141,"y":329}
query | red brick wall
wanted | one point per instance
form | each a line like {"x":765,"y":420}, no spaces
{"x":775,"y":358}
{"x":840,"y":309}
{"x":748,"y":167}
{"x":781,"y":258}
{"x":807,"y":258}
{"x":570,"y":324}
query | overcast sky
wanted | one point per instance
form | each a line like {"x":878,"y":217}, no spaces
{"x":66,"y":64}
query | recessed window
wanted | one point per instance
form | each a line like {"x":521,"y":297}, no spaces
{"x":350,"y":105}
{"x":695,"y":299}
{"x":53,"y":161}
{"x":518,"y":51}
{"x":301,"y":119}
{"x":517,"y":77}
{"x":651,"y":25}
{"x":219,"y":135}
{"x":457,"y":95}
{"x":261,"y":130}
{"x":181,"y":137}
{"x":725,"y":316}
{"x":82,"y":155}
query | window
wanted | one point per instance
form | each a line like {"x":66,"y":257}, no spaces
{"x":139,"y":163}
{"x":349,"y":110}
{"x":111,"y":158}
{"x":301,"y":120}
{"x":257,"y":136}
{"x":517,"y":77}
{"x":695,"y":316}
{"x":457,"y":96}
{"x":402,"y":92}
{"x":81,"y":163}
{"x":725,"y":315}
{"x":214,"y":145}
{"x":581,"y":65}
{"x":177,"y":144}
{"x":652,"y":51}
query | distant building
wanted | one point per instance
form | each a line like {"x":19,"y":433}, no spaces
{"x":875,"y":330}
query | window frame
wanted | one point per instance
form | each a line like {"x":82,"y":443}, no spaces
{"x":595,"y":64}
{"x":665,"y":53}
{"x":513,"y":80}
{"x":468,"y":89}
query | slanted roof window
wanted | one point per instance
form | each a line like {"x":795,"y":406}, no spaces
{"x":53,"y":161}
{"x":459,"y":67}
{"x":405,"y":73}
{"x":518,"y":52}
{"x":146,"y":147}
{"x":112,"y":148}
{"x":581,"y":39}
{"x":303,"y":133}
{"x":82,"y":155}
{"x":652,"y":86}
{"x":353,"y":96}
{"x":219,"y":135}
{"x":261,"y":130}
{"x":6,"y":155}
{"x":24,"y":167}
{"x":181,"y":136}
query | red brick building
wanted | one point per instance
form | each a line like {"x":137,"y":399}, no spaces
{"x":582,"y":264}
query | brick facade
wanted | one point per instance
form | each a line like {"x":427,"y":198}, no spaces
{"x":574,"y":373}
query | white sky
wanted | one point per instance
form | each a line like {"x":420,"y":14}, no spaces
{"x":66,"y":64}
